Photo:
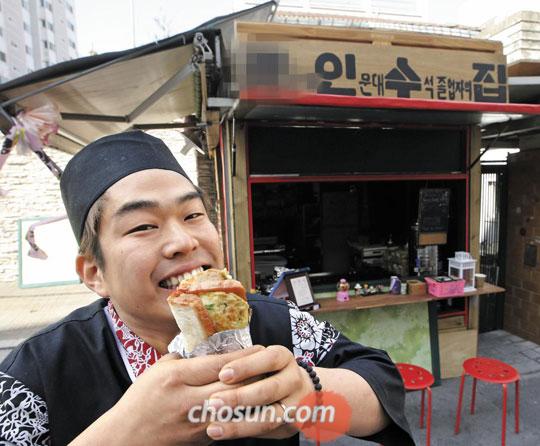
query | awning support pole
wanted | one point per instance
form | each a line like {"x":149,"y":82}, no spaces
{"x":161,"y":91}
{"x":90,"y":117}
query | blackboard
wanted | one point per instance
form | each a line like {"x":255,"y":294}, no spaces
{"x":433,"y":210}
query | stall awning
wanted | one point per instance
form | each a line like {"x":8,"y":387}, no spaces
{"x":275,"y":105}
{"x":98,"y":95}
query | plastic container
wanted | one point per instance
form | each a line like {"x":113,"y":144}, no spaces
{"x":445,"y":289}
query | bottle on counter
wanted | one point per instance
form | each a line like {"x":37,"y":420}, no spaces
{"x":342,"y":294}
{"x":395,"y":285}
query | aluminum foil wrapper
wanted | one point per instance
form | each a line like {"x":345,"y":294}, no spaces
{"x":217,"y":344}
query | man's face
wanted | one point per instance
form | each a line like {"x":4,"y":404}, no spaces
{"x":154,"y":228}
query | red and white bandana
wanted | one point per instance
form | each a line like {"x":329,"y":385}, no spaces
{"x":140,"y":355}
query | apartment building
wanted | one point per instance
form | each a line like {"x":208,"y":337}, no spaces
{"x":35,"y":34}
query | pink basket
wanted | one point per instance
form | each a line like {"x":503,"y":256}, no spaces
{"x":445,"y":289}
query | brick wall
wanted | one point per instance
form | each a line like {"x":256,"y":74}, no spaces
{"x":32,"y":191}
{"x":522,"y":305}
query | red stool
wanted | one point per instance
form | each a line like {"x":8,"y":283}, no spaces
{"x":490,"y":371}
{"x":418,"y":378}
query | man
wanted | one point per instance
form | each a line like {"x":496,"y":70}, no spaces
{"x":99,"y":377}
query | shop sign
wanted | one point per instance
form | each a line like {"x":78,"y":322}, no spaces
{"x":368,"y":70}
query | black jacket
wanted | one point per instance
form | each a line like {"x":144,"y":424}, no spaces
{"x":75,"y":368}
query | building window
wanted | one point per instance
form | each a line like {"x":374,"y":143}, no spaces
{"x":43,"y":23}
{"x":14,"y":45}
{"x":2,"y":56}
{"x":49,"y":6}
{"x":71,"y":26}
{"x":26,"y":26}
{"x":51,"y":46}
{"x":24,"y":4}
{"x":69,"y":7}
{"x":50,"y":26}
{"x":72,"y":44}
{"x":42,"y":3}
{"x":28,"y":49}
{"x":45,"y":44}
{"x":1,"y":32}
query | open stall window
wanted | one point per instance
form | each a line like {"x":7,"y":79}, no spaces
{"x":357,"y":229}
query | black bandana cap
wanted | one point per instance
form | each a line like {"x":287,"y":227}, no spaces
{"x":105,"y":161}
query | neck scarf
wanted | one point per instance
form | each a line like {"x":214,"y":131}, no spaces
{"x":140,"y":355}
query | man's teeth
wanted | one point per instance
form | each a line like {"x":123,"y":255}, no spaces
{"x":172,"y":282}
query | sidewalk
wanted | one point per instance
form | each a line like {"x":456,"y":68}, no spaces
{"x":20,"y":317}
{"x":484,"y":427}
{"x":25,"y":311}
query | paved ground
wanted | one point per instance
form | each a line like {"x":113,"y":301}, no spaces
{"x":24,"y":311}
{"x":484,"y":427}
{"x":19,"y":318}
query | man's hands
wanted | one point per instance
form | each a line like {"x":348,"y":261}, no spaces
{"x":282,"y":380}
{"x":154,"y":409}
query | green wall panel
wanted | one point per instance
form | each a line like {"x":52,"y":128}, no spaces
{"x":401,"y":330}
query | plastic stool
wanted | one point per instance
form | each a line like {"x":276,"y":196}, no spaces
{"x":418,"y":378}
{"x":490,"y":371}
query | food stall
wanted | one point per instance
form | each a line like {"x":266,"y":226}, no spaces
{"x":323,"y":142}
{"x":335,"y":136}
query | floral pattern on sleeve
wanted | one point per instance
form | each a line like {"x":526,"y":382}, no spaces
{"x":311,"y":339}
{"x":23,"y":415}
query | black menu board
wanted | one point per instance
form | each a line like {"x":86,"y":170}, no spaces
{"x":433,"y":210}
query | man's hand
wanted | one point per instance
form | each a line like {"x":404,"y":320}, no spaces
{"x":282,"y":381}
{"x":154,"y":410}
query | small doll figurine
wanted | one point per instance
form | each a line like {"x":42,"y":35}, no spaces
{"x":342,"y":294}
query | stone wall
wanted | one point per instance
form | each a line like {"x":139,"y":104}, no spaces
{"x":32,"y":191}
{"x":522,"y":304}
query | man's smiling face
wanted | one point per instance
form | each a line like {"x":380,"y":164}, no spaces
{"x":154,"y":228}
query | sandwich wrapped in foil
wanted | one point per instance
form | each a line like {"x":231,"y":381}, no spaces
{"x":212,"y":313}
{"x":222,"y":342}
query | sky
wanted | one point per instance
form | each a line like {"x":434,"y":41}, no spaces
{"x":113,"y":25}
{"x":107,"y":25}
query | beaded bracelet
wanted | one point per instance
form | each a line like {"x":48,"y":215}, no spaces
{"x":312,"y":374}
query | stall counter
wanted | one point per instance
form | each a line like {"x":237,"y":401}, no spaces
{"x":406,"y":326}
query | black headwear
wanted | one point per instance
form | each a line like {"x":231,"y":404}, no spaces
{"x":104,"y":162}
